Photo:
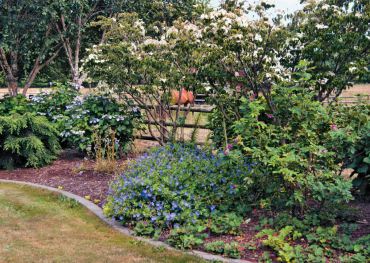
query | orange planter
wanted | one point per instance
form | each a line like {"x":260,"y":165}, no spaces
{"x":185,"y":98}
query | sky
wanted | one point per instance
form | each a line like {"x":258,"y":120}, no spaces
{"x":286,"y":5}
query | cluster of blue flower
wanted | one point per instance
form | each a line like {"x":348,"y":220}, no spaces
{"x":177,"y":185}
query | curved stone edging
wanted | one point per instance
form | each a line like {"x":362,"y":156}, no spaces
{"x":117,"y":226}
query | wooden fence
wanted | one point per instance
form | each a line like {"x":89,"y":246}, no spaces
{"x":200,"y":107}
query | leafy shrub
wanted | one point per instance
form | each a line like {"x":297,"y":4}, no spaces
{"x":178,"y":185}
{"x":17,"y":104}
{"x":99,"y":114}
{"x":27,"y":140}
{"x":221,"y":119}
{"x":79,"y":119}
{"x":293,"y":164}
{"x":351,"y":142}
{"x":228,"y":223}
{"x":231,"y":250}
{"x":53,"y":105}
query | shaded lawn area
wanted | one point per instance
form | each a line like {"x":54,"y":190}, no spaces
{"x":38,"y":226}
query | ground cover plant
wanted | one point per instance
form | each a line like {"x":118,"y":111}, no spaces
{"x":183,"y":191}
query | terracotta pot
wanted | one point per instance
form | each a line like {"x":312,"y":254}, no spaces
{"x":191,"y":97}
{"x":175,"y":97}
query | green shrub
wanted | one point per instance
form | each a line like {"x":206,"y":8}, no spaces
{"x":53,"y":105}
{"x":179,"y":185}
{"x":294,"y":164}
{"x":323,"y":243}
{"x":351,"y":142}
{"x":17,"y":104}
{"x":280,"y":242}
{"x":232,"y":250}
{"x":144,"y":228}
{"x":100,"y":115}
{"x":215,"y":247}
{"x":221,"y":119}
{"x":79,"y":118}
{"x":27,"y":140}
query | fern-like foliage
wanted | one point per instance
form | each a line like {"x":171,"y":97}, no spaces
{"x":27,"y":140}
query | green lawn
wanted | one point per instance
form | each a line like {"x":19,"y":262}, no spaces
{"x":37,"y":226}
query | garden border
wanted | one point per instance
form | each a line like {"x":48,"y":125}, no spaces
{"x":117,"y":226}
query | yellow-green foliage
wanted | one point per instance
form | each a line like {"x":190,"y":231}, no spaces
{"x":27,"y":140}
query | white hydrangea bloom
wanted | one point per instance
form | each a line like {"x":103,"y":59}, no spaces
{"x":321,"y":26}
{"x":323,"y":81}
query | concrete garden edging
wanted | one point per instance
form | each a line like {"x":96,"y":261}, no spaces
{"x":117,"y":226}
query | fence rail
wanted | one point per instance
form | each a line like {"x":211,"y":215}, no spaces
{"x":200,"y":107}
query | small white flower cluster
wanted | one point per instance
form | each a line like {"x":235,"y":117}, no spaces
{"x":154,"y":42}
{"x":334,"y":8}
{"x":323,"y":81}
{"x":321,"y":26}
{"x":139,"y":24}
{"x":66,"y":134}
{"x":113,"y":117}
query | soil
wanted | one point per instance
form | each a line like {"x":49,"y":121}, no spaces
{"x":77,"y":175}
{"x":71,"y":173}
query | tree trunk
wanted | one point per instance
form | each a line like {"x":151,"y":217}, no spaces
{"x":12,"y":86}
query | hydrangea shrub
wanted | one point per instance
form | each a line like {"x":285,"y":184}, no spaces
{"x":102,"y":115}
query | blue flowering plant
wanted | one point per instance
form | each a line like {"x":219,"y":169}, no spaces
{"x":179,"y":186}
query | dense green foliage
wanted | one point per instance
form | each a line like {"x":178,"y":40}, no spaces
{"x":27,"y":140}
{"x":16,"y":104}
{"x":55,"y":102}
{"x":323,"y":243}
{"x":231,"y":250}
{"x":294,"y":165}
{"x":351,"y":142}
{"x":177,"y":186}
{"x":101,"y":115}
{"x":78,"y":120}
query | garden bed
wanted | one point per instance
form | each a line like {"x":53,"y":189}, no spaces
{"x":74,"y":174}
{"x":71,"y":173}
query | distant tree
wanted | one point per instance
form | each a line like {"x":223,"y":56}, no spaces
{"x":28,"y":42}
{"x":334,"y":37}
{"x":71,"y":21}
{"x":157,"y":14}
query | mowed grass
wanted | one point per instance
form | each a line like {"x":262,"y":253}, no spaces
{"x":38,"y":226}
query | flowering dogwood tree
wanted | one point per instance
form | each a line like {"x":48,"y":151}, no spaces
{"x":237,"y":51}
{"x":147,"y":69}
{"x":334,"y":36}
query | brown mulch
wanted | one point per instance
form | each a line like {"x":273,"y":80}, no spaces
{"x":71,"y":173}
{"x":77,"y":175}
